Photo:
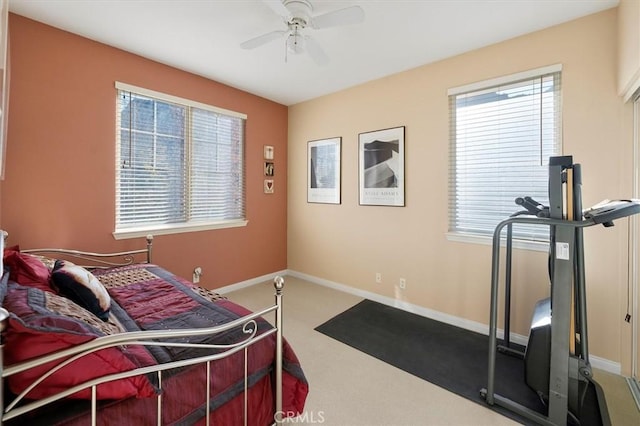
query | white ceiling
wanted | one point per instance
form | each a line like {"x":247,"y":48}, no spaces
{"x":203,"y":36}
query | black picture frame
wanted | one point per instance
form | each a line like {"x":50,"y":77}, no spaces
{"x":324,"y":171}
{"x":381,"y":166}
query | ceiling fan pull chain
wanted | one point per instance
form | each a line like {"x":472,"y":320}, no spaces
{"x":286,"y":50}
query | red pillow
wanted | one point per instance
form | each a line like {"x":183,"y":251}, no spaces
{"x":27,"y":270}
{"x":37,"y":328}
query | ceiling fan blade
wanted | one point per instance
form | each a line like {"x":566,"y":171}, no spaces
{"x":278,"y":7}
{"x":263,"y":39}
{"x":315,"y":51}
{"x":346,"y":16}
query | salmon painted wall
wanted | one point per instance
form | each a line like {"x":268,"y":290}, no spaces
{"x":59,"y":187}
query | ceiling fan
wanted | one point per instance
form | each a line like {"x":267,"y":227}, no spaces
{"x":297,"y":15}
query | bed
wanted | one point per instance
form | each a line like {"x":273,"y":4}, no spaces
{"x":91,"y":338}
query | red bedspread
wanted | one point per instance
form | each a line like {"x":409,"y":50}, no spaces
{"x":147,"y":297}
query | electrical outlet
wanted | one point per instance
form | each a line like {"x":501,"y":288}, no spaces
{"x":403,"y":283}
{"x":378,"y":277}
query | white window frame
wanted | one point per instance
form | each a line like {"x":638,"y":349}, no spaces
{"x":173,"y":228}
{"x":456,"y":235}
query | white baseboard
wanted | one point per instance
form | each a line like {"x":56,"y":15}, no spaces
{"x":596,"y":362}
{"x":248,"y":283}
{"x":605,"y":365}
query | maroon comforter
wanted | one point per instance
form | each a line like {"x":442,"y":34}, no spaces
{"x":147,"y":297}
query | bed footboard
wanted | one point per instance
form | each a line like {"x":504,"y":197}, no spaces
{"x":248,"y":325}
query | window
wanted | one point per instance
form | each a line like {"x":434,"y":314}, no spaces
{"x":502,"y":134}
{"x":179,"y":164}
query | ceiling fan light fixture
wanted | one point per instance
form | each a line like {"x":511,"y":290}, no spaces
{"x":298,"y":17}
{"x":295,"y":42}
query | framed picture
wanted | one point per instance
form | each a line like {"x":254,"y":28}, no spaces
{"x":269,"y":169}
{"x":323,"y":171}
{"x":268,"y":186}
{"x":381,"y":167}
{"x":268,"y":152}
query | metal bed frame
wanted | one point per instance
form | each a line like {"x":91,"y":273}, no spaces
{"x":248,"y":324}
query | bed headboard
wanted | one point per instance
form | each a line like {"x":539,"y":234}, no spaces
{"x":92,"y":260}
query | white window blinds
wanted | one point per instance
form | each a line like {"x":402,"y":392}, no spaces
{"x":501,"y":138}
{"x":177,"y":161}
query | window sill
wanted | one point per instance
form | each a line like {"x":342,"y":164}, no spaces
{"x":486,"y":240}
{"x":143,"y":231}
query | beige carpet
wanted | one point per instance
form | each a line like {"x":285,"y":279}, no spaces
{"x":348,"y":387}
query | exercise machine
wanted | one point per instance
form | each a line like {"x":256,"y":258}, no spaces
{"x":556,"y":358}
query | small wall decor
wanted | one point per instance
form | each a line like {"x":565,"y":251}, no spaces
{"x":381,"y":167}
{"x":268,"y":186}
{"x":269,"y":169}
{"x":268,"y":152}
{"x":323,"y":171}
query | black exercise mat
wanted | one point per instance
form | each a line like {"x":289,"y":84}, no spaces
{"x":448,"y":356}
